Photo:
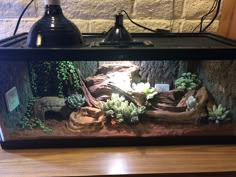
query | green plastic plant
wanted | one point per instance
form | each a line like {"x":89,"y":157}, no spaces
{"x":187,"y":82}
{"x":145,"y":88}
{"x":67,"y":71}
{"x":29,"y":108}
{"x":53,"y":78}
{"x":30,"y":123}
{"x":218,"y":114}
{"x":41,"y":73}
{"x":121,"y":110}
{"x":75,"y":101}
{"x":27,"y":123}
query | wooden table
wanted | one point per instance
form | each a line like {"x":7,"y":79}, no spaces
{"x":120,"y":160}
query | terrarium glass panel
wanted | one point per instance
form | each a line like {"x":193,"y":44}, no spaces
{"x":117,"y":99}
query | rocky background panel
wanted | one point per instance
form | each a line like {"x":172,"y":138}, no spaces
{"x":14,"y":74}
{"x":87,"y":68}
{"x":161,"y":72}
{"x":219,"y":76}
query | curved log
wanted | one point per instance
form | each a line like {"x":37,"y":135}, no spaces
{"x":177,"y":117}
{"x":166,"y":107}
{"x":185,"y":98}
{"x":171,"y":98}
{"x":183,"y":117}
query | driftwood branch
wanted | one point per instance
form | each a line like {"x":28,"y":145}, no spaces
{"x":125,"y":94}
{"x":166,"y":107}
{"x":171,"y":98}
{"x":183,"y":117}
{"x":88,"y":97}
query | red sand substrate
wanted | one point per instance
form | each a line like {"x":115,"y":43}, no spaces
{"x":146,"y":129}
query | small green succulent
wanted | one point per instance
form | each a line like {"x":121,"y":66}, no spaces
{"x":121,"y":110}
{"x":187,"y":82}
{"x":149,"y":91}
{"x":218,"y":114}
{"x":191,"y":103}
{"x":75,"y":101}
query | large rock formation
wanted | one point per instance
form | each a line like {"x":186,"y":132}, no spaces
{"x":115,"y":74}
{"x":87,"y":119}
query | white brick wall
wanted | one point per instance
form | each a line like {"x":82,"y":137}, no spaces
{"x":97,"y":15}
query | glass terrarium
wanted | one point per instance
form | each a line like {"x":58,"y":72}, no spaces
{"x":174,"y":88}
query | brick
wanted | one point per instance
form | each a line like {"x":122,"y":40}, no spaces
{"x":98,"y":15}
{"x":98,"y":26}
{"x":160,"y":9}
{"x":83,"y":25}
{"x":195,"y":9}
{"x":105,"y":25}
{"x":153,"y":24}
{"x":8,"y":26}
{"x":96,"y":9}
{"x":13,"y":8}
{"x":188,"y":26}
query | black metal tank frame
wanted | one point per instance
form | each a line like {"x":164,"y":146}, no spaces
{"x":118,"y":142}
{"x":13,"y":49}
{"x":167,"y":46}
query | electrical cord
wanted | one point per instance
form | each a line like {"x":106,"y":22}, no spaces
{"x":214,"y":18}
{"x":205,"y":16}
{"x":216,"y":5}
{"x":144,"y":27}
{"x":172,"y":22}
{"x":19,"y":19}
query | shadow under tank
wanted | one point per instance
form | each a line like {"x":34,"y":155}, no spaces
{"x":130,"y":100}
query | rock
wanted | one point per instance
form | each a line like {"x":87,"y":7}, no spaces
{"x":98,"y":85}
{"x":94,"y":80}
{"x":111,"y":68}
{"x":52,"y":104}
{"x":87,"y":119}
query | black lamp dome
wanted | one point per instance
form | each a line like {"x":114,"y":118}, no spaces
{"x":54,"y":29}
{"x":118,"y":33}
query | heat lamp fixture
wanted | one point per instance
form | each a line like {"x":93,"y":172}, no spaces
{"x":118,"y":32}
{"x":118,"y":36}
{"x":54,"y":29}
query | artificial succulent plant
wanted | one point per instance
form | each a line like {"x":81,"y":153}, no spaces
{"x":218,"y":114}
{"x":75,"y":101}
{"x":191,"y":103}
{"x":149,"y":91}
{"x":187,"y":82}
{"x":121,"y":110}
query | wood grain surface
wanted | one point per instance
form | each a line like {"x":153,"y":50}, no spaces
{"x":117,"y":161}
{"x":228,"y":19}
